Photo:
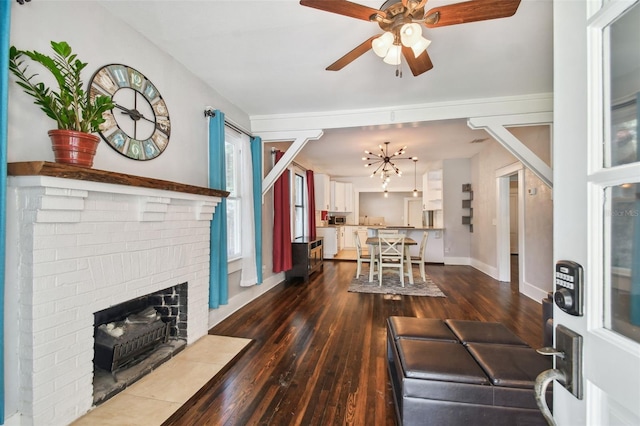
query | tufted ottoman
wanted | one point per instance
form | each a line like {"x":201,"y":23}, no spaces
{"x":457,"y":372}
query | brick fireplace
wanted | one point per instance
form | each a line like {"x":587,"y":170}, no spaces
{"x":76,"y":247}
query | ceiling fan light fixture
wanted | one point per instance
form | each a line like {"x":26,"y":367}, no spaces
{"x":382,"y":44}
{"x":410,"y":34}
{"x":393,"y":56}
{"x":420,"y":46}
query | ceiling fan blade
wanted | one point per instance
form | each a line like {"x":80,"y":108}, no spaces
{"x":343,"y":7}
{"x":352,"y":56}
{"x":470,"y":11}
{"x":417,"y":65}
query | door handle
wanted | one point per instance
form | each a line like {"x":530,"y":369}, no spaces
{"x":568,"y":371}
{"x":540,"y":391}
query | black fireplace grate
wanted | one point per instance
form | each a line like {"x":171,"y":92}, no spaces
{"x":113,"y":353}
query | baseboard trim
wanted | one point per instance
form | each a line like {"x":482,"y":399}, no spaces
{"x":492,"y":271}
{"x":457,"y":261}
{"x":241,"y":299}
{"x":533,"y":292}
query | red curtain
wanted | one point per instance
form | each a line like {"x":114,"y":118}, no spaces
{"x":312,"y":205}
{"x":282,"y":259}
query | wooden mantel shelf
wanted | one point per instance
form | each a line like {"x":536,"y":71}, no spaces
{"x":45,"y":168}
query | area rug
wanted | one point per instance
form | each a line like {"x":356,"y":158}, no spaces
{"x":391,"y":285}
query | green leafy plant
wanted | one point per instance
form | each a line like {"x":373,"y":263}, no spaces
{"x":70,"y":106}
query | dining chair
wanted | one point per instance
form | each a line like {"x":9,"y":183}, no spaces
{"x":420,"y":259}
{"x":364,"y":257}
{"x":388,"y":232}
{"x":391,"y":255}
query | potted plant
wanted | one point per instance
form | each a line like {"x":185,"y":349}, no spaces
{"x":77,"y":115}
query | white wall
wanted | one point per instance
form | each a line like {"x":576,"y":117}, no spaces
{"x":100,"y":39}
{"x":375,"y":204}
{"x":538,"y":224}
{"x":457,"y":238}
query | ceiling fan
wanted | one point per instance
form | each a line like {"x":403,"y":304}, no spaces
{"x":400,"y":20}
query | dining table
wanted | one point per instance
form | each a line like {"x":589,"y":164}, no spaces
{"x":373,"y":242}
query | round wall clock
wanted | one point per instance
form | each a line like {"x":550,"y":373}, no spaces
{"x":138,"y":126}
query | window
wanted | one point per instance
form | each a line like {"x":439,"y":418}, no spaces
{"x":233,"y":167}
{"x":620,"y":186}
{"x":298,"y":206}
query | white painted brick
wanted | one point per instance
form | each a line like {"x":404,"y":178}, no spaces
{"x":61,"y":203}
{"x":44,"y":229}
{"x":71,"y":374}
{"x":66,"y":318}
{"x":151,"y":217}
{"x":65,"y":192}
{"x":153,"y":207}
{"x":43,"y":363}
{"x":132,"y":258}
{"x":74,"y":228}
{"x":66,"y":305}
{"x":42,"y":256}
{"x":51,"y":216}
{"x":54,"y":268}
{"x":54,"y":241}
{"x":74,"y":253}
{"x":96,"y":238}
{"x":47,"y":296}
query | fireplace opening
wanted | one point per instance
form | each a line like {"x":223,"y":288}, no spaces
{"x":135,"y":337}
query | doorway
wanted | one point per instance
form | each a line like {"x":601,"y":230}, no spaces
{"x":510,"y":222}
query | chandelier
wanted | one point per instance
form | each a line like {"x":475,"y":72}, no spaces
{"x":384,"y":163}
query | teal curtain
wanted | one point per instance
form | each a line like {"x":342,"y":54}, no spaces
{"x":218,"y":277}
{"x":256,"y":160}
{"x":5,"y":18}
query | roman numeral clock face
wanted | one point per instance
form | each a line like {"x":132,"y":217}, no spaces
{"x":138,"y":126}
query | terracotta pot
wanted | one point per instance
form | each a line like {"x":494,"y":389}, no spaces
{"x":71,"y":147}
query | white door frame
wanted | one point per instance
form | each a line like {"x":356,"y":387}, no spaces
{"x":503,"y":231}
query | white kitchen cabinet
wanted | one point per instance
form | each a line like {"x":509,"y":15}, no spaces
{"x":340,"y":237}
{"x":349,"y":239}
{"x":330,"y":242}
{"x":337,"y":197}
{"x":322,"y":190}
{"x":353,"y":232}
{"x":348,"y":197}
{"x":362,"y":235}
{"x":432,"y":197}
{"x":341,"y":197}
{"x":433,"y":193}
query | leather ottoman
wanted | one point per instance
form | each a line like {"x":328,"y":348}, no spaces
{"x":439,"y":381}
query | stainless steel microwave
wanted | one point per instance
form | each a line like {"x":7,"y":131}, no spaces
{"x":340,"y":220}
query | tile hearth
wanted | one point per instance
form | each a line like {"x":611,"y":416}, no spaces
{"x":155,"y":397}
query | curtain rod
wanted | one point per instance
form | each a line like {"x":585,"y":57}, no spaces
{"x":273,"y":153}
{"x":209,"y":112}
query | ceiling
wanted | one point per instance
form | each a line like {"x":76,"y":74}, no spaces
{"x":269,"y":57}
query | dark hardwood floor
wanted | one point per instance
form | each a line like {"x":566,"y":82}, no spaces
{"x":318,"y":356}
